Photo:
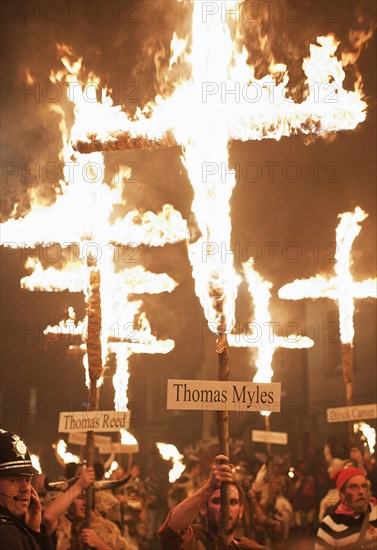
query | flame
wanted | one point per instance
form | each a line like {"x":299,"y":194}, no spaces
{"x":251,"y":108}
{"x":368,"y":432}
{"x":204,"y":139}
{"x":220,"y":92}
{"x":170,"y":452}
{"x":341,"y":288}
{"x":82,"y":222}
{"x":35,"y":463}
{"x":28,"y":77}
{"x":263,"y":336}
{"x":178,"y":47}
{"x":327,"y":108}
{"x":61,"y":449}
{"x":113,"y":466}
{"x":127,"y":438}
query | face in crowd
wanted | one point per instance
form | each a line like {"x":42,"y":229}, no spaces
{"x":354,"y":493}
{"x":15,"y":493}
{"x":214,"y":512}
{"x":79,"y":506}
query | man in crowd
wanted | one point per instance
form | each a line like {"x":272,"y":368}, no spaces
{"x":178,"y":532}
{"x":354,"y":521}
{"x":20,"y":507}
{"x":65,"y":520}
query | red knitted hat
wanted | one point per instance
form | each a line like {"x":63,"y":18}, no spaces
{"x":343,"y":475}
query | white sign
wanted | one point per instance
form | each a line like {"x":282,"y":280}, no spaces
{"x":279,"y":438}
{"x":80,"y":439}
{"x":97,"y":421}
{"x":213,"y":395}
{"x":118,"y":448}
{"x":352,"y":413}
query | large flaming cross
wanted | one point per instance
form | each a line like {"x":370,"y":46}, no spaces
{"x":199,"y":118}
{"x":222,"y":101}
{"x":262,"y":335}
{"x":96,"y":253}
{"x":341,"y":288}
{"x":79,"y":219}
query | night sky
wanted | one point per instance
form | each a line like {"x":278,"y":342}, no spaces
{"x":284,"y":206}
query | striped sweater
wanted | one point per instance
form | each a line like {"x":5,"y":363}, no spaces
{"x":340,"y":530}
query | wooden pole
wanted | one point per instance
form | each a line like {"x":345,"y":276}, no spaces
{"x":129,"y":462}
{"x":268,"y":429}
{"x":348,"y":377}
{"x":94,"y":351}
{"x":223,"y":434}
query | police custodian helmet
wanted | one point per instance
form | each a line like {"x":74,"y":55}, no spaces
{"x":14,"y":456}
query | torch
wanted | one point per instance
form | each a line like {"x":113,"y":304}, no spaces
{"x":94,"y":353}
{"x":341,"y":288}
{"x":223,"y":433}
{"x":265,"y":341}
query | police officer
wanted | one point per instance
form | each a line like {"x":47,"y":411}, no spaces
{"x":20,"y":508}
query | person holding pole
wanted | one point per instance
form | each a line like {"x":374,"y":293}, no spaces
{"x":178,"y":531}
{"x":65,"y":516}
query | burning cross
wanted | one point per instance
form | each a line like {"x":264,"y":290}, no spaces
{"x":263,"y":336}
{"x":79,"y":219}
{"x":264,"y":112}
{"x":221,"y":101}
{"x":204,"y":137}
{"x":341,"y":288}
{"x":81,"y":216}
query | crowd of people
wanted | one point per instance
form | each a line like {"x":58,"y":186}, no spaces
{"x":215,"y":504}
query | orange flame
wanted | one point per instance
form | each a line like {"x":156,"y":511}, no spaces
{"x":36,"y":463}
{"x":79,"y":220}
{"x":215,"y":73}
{"x":263,"y":337}
{"x":61,"y":449}
{"x":341,"y":288}
{"x":170,"y":452}
{"x":369,"y":434}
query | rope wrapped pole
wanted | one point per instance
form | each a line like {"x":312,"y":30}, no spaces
{"x":268,"y":429}
{"x":223,"y":434}
{"x":94,"y":351}
{"x":348,"y":377}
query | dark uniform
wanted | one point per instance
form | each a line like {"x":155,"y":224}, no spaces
{"x":15,"y":535}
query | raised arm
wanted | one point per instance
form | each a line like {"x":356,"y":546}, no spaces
{"x":186,"y":511}
{"x":61,"y":504}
